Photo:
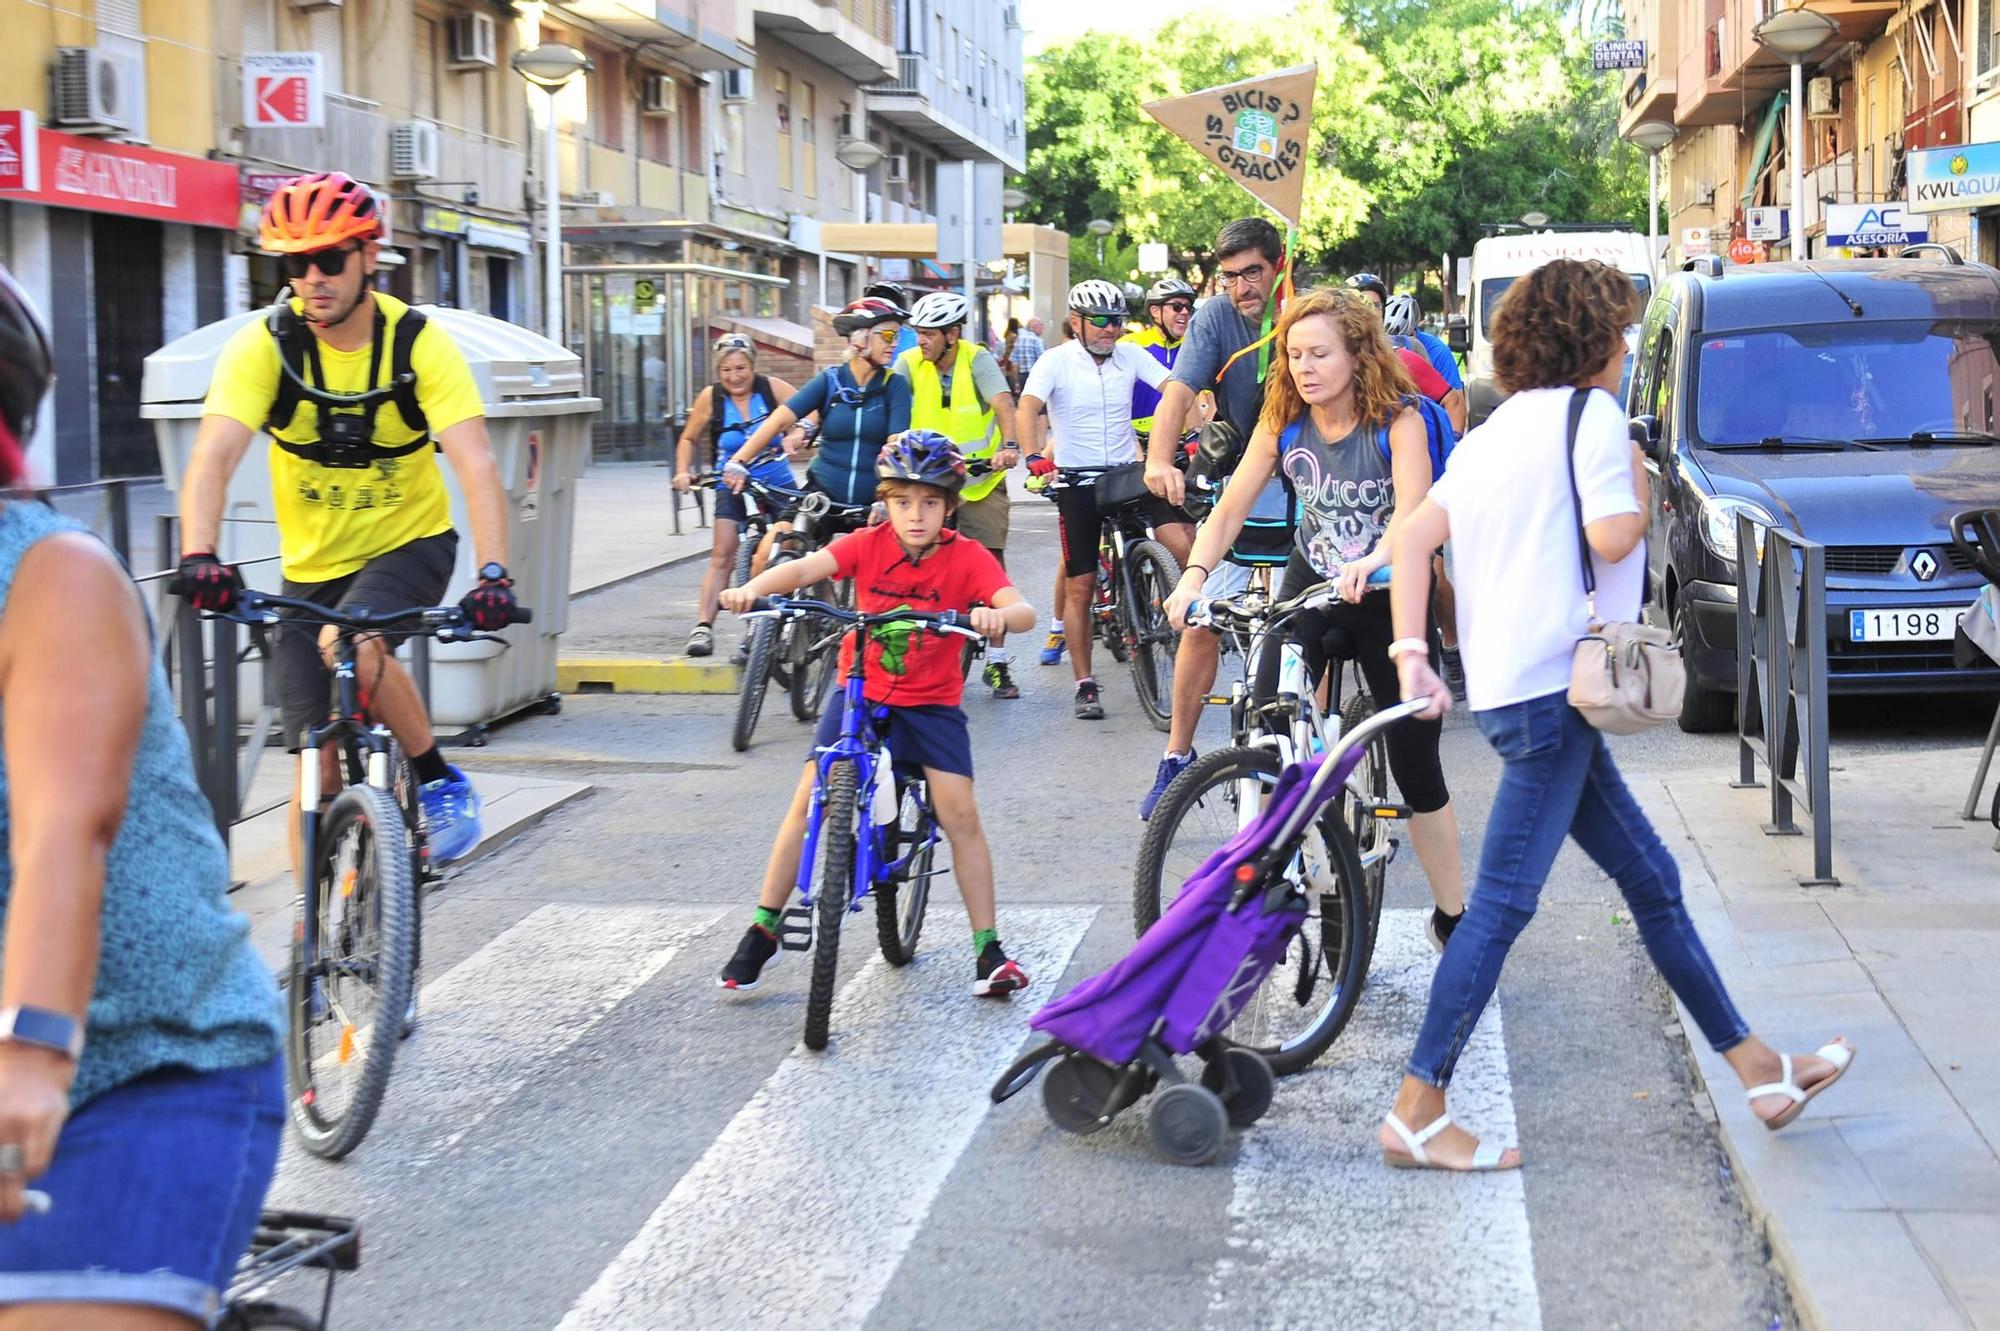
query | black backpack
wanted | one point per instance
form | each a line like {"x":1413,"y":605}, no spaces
{"x":346,"y":420}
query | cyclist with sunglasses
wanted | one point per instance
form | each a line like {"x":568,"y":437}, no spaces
{"x":358,"y":394}
{"x":1170,"y":306}
{"x":860,"y":404}
{"x":724,"y":413}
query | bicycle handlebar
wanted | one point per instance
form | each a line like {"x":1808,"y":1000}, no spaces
{"x":447,"y":622}
{"x":1242,"y":612}
{"x":943,"y":621}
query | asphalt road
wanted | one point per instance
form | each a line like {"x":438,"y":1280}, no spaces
{"x":585,"y":1135}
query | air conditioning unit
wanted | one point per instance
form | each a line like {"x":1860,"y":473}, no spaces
{"x":600,"y":198}
{"x":658,"y":96}
{"x":91,"y":92}
{"x":413,"y":150}
{"x":1704,"y":192}
{"x":1819,"y":100}
{"x":474,"y":41}
{"x":898,"y":171}
{"x":736,"y":85}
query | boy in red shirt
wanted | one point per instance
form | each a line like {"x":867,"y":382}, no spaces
{"x":909,"y":562}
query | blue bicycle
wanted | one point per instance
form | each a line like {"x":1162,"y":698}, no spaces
{"x":870,"y":830}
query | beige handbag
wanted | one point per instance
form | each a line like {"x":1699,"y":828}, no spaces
{"x":1624,"y":678}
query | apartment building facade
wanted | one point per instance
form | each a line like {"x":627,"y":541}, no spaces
{"x":1894,"y":79}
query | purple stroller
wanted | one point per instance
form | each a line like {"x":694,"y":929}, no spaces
{"x":1113,"y":1037}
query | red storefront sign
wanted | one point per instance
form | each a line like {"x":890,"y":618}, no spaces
{"x":119,"y":178}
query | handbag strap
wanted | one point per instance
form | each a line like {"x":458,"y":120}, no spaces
{"x":1579,"y":399}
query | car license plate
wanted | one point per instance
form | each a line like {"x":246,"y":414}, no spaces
{"x":1934,"y":624}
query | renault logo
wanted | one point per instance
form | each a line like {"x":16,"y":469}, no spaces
{"x":1924,"y":565}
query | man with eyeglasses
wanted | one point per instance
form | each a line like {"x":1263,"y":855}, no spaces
{"x":362,"y":513}
{"x":1086,"y":386}
{"x":1215,"y":357}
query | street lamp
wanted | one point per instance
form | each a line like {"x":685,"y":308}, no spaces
{"x":1651,"y":137}
{"x":857,"y":155}
{"x":550,"y":66}
{"x":1013,"y":201}
{"x":1794,"y":34}
{"x":1100,"y":228}
{"x":1534,"y":220}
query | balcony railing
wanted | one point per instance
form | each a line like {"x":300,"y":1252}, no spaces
{"x":355,"y":137}
{"x":911,"y":78}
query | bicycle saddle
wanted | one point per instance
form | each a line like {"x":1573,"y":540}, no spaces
{"x":1976,"y":532}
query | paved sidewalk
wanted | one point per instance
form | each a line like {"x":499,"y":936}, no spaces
{"x":1882,"y":1203}
{"x":625,"y":525}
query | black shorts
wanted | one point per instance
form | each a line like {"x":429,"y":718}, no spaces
{"x":408,"y":576}
{"x":1082,"y":523}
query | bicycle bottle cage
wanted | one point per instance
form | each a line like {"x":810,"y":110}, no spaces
{"x":346,"y":420}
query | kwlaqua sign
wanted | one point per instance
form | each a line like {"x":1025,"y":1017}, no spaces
{"x":1867,"y":225}
{"x":1947,"y":179}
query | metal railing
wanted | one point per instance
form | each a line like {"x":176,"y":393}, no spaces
{"x":1781,"y":714}
{"x":113,"y":519}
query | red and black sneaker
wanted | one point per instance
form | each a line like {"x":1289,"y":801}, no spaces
{"x":756,"y":951}
{"x":997,"y":977}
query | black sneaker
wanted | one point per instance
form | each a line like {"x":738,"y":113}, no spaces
{"x":1438,"y":928}
{"x":1088,"y":708}
{"x":1454,"y":673}
{"x":758,"y":949}
{"x":997,"y":977}
{"x":1001,"y":681}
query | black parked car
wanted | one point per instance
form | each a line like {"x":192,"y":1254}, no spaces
{"x":1851,"y":401}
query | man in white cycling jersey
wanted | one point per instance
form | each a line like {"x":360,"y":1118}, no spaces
{"x":1086,"y":385}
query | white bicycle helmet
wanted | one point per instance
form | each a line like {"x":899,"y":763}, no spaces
{"x":1166,"y":289}
{"x":1399,"y":316}
{"x":940,"y":309}
{"x":1096,"y":296}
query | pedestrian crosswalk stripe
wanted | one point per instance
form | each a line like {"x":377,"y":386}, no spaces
{"x":1322,"y":1233}
{"x":489,"y":1024}
{"x":802,"y":1208}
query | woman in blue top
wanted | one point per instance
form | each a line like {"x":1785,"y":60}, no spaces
{"x":724,"y":414}
{"x":860,"y":406}
{"x":141,"y":1083}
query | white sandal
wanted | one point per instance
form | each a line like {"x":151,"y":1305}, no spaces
{"x":1486,"y":1157}
{"x":1837,"y":1052}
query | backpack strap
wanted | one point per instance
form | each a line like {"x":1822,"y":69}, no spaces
{"x":286,"y":329}
{"x":298,"y":350}
{"x":403,"y":376}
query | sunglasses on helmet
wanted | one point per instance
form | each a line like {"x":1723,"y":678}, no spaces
{"x":732,"y":342}
{"x":330,"y":262}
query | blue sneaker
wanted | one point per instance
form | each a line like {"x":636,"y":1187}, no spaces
{"x":451,"y":816}
{"x":1052,"y":650}
{"x":1170,"y":767}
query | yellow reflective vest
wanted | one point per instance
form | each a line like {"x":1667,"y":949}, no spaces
{"x":963,"y":421}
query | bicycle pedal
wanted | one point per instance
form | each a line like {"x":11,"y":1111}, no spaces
{"x":795,"y":929}
{"x":1395,"y":813}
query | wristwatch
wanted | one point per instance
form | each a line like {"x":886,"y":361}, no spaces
{"x":493,"y":573}
{"x":42,"y":1028}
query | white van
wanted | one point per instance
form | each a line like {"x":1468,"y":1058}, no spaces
{"x":1498,"y":260}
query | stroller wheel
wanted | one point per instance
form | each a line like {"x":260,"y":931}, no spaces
{"x":1255,"y":1083}
{"x":1187,"y":1123}
{"x":1076,"y":1091}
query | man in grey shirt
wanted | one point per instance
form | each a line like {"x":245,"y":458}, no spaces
{"x":1248,"y":255}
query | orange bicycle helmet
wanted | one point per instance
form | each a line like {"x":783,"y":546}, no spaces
{"x":318,"y":212}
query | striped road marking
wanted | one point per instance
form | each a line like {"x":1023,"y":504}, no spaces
{"x":804,"y":1205}
{"x":489,"y":1024}
{"x":1322,"y":1233}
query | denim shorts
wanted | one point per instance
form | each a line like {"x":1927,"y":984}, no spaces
{"x":154,"y":1193}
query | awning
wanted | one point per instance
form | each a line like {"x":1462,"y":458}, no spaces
{"x":1762,"y":151}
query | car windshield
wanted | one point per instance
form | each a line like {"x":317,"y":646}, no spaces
{"x":1493,"y":288}
{"x":1846,"y":381}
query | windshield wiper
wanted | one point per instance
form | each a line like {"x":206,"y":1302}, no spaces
{"x":1775,"y":443}
{"x":1920,"y":438}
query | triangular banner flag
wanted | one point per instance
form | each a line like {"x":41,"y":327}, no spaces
{"x":1255,"y":131}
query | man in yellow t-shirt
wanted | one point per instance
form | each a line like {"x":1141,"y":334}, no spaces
{"x":363,"y":516}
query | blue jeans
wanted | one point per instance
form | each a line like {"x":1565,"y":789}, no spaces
{"x":155,"y":1190}
{"x":1558,"y":780}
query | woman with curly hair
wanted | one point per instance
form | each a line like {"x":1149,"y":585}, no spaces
{"x":1530,"y":494}
{"x":1338,"y":421}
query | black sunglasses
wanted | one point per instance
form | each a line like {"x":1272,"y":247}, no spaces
{"x":331,"y":262}
{"x":1180,"y":306}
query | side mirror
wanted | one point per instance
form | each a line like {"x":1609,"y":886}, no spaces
{"x":1645,"y":432}
{"x":1457,"y":334}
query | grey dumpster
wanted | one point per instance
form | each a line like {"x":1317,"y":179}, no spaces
{"x":539,"y":421}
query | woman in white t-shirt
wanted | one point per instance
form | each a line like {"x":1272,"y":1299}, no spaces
{"x":1508,"y":508}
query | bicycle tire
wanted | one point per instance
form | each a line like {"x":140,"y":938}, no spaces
{"x":830,"y":902}
{"x":405,"y":789}
{"x":385,"y":898}
{"x":1152,"y":575}
{"x":1370,"y":783}
{"x":746,"y":552}
{"x":1341,"y":928}
{"x":756,"y":679}
{"x":265,"y":1316}
{"x":812,"y":674}
{"x":900,"y":902}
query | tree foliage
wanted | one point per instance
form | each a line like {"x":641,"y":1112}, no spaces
{"x":1431,"y":117}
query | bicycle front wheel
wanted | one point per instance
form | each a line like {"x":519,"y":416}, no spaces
{"x":1153,"y":575}
{"x":348,"y":997}
{"x":1307,"y":999}
{"x":756,"y":678}
{"x":812,"y":672}
{"x":836,"y":887}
